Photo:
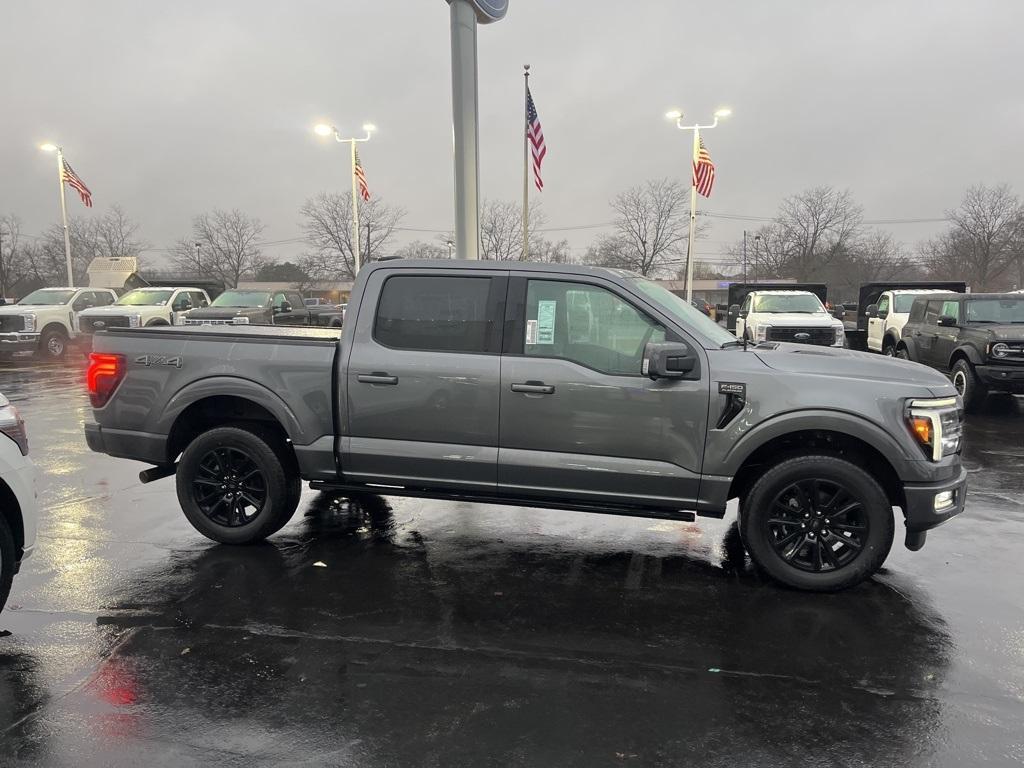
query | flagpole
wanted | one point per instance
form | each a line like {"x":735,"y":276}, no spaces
{"x":526,"y":164}
{"x":693,"y":216}
{"x":355,"y":213}
{"x":64,"y":216}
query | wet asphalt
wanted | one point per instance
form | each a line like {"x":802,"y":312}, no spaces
{"x":401,"y":632}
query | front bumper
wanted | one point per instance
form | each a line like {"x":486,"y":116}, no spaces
{"x":920,"y":514}
{"x":20,"y":341}
{"x":1009,"y":378}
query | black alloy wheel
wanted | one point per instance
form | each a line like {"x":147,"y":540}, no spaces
{"x":817,"y":525}
{"x":229,"y":487}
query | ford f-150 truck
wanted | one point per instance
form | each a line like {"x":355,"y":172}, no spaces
{"x":46,"y":320}
{"x":540,"y":385}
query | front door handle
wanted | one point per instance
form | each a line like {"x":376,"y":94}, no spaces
{"x":534,"y":388}
{"x":376,"y":378}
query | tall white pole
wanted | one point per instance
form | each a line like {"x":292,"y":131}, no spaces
{"x":465,"y":114}
{"x":526,"y":164}
{"x":355,"y":212}
{"x":690,"y":250}
{"x":64,"y":217}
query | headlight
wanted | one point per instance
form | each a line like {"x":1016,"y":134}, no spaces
{"x":840,"y":339}
{"x":999,"y":349}
{"x":134,"y":321}
{"x":761,"y":333}
{"x":936,"y":425}
{"x":241,"y":321}
{"x":30,"y":322}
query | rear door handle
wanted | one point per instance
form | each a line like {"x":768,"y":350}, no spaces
{"x":534,"y":387}
{"x":376,"y":378}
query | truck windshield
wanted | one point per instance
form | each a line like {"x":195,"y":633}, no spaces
{"x":995,"y":311}
{"x":47,"y":296}
{"x":242,"y":299}
{"x":144,"y":298}
{"x":687,"y":314}
{"x":801,"y":303}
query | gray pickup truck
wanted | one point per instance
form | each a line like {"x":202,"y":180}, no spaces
{"x":545,"y":386}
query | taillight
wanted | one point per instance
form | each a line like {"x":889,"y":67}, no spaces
{"x":104,"y":374}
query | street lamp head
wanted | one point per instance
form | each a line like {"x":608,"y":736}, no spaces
{"x":323,"y":129}
{"x":675,"y":114}
{"x":369,"y":127}
{"x":723,"y":112}
{"x":48,"y":147}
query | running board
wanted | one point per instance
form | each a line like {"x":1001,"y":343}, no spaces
{"x":515,"y":501}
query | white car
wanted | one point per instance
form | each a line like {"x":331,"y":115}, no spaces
{"x":18,"y":510}
{"x":140,"y":308}
{"x":887,"y":317}
{"x":793,"y":316}
{"x":46,"y":320}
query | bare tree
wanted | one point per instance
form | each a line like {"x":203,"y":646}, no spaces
{"x":816,"y":227}
{"x":651,"y":227}
{"x":229,"y":246}
{"x":418,"y":249}
{"x":14,"y":265}
{"x":501,"y":234}
{"x":115,"y":234}
{"x":983,"y":241}
{"x":327,"y":221}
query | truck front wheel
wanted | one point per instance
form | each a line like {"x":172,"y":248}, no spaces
{"x":968,"y":385}
{"x":53,"y":344}
{"x":237,"y":485}
{"x":817,"y":523}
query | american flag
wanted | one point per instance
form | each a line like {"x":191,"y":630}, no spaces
{"x":703,"y":171}
{"x":72,"y":180}
{"x":536,"y":136}
{"x":364,"y":191}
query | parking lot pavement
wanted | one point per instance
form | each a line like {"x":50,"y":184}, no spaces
{"x":394,"y":632}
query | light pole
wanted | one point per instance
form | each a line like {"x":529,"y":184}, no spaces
{"x":451,"y":247}
{"x":48,"y":147}
{"x":757,"y":242}
{"x":323,"y":129}
{"x":199,"y":261}
{"x":678,"y":117}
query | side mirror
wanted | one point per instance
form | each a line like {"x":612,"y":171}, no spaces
{"x":668,"y":360}
{"x":947,"y":321}
{"x":871,"y":311}
{"x":839,"y":312}
{"x":182,"y":305}
{"x":285,"y":307}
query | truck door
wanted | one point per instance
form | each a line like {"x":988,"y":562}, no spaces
{"x":925,"y":335}
{"x":946,"y":335}
{"x":578,"y":417}
{"x":876,"y":324}
{"x":422,"y":380}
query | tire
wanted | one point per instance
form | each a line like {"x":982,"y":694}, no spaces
{"x":6,"y":561}
{"x":155,"y":322}
{"x":796,"y":507}
{"x":967,"y":383}
{"x":259,"y":478}
{"x":53,"y":344}
{"x":902,"y":353}
{"x":888,"y":349}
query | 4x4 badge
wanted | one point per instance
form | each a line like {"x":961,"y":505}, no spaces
{"x":149,"y":360}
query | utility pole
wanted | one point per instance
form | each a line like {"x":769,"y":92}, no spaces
{"x":199,"y":261}
{"x":744,"y":256}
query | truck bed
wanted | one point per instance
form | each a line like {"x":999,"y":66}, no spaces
{"x":257,"y":333}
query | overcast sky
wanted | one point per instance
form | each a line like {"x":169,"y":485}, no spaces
{"x":174,"y":108}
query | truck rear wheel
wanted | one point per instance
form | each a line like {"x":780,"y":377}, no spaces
{"x":237,"y":484}
{"x":817,"y":523}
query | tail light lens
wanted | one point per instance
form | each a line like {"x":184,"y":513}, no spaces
{"x":12,"y":425}
{"x":104,"y":374}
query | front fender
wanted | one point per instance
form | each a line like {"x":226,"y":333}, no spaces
{"x":906,"y":467}
{"x":968,"y":351}
{"x":232,"y":386}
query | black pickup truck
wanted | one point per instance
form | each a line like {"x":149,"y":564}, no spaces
{"x":553,"y":386}
{"x":975,"y":338}
{"x":239,"y":306}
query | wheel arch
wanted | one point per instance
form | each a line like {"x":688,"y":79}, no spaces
{"x":965,"y":352}
{"x":55,"y":325}
{"x":11,"y":511}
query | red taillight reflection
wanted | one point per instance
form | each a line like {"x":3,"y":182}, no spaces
{"x":104,"y":374}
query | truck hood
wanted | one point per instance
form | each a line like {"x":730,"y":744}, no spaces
{"x":849,"y":365}
{"x":21,"y":309}
{"x":225,"y":313}
{"x":116,"y":310}
{"x":776,"y":319}
{"x":1007,"y":332}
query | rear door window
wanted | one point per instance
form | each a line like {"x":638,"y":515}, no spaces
{"x":436,"y":314}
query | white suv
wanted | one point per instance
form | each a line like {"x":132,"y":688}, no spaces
{"x":45,"y":320}
{"x":18,"y":510}
{"x":141,"y":308}
{"x":794,"y":316}
{"x":887,"y":317}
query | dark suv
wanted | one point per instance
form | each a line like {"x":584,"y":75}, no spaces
{"x":978,"y":339}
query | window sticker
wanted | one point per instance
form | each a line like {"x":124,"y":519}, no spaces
{"x":531,"y":331}
{"x":546,"y":322}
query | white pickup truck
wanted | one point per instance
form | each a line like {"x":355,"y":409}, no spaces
{"x":794,"y":316}
{"x":887,"y":318}
{"x":141,"y":308}
{"x":46,"y":320}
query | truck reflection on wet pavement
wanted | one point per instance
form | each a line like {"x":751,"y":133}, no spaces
{"x":377,"y":631}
